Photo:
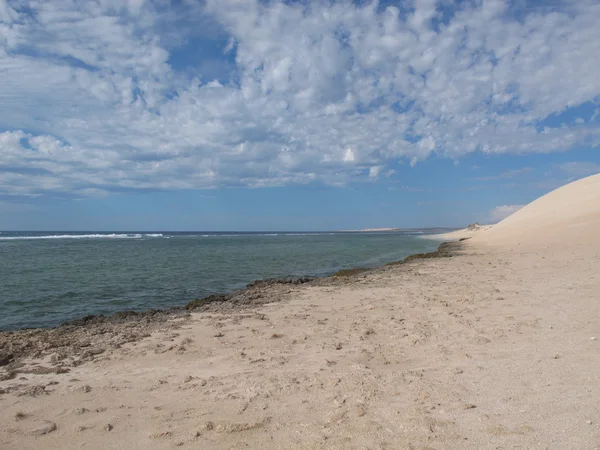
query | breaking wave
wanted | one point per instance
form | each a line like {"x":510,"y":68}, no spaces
{"x":83,"y":236}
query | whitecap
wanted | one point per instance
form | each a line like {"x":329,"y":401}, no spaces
{"x":73,"y":236}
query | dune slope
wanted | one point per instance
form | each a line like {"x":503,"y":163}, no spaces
{"x":569,"y":214}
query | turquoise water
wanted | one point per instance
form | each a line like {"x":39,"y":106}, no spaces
{"x":48,"y":278}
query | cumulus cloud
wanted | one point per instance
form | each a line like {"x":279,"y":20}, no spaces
{"x":502,"y":212}
{"x":374,"y":171}
{"x":95,"y":97}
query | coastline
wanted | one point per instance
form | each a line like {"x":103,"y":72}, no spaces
{"x":423,"y":354}
{"x":494,"y":347}
{"x":72,"y":340}
{"x":462,"y":234}
{"x":170,"y":270}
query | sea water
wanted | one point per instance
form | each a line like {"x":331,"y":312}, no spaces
{"x":47,"y":278}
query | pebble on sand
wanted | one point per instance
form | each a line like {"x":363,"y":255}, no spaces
{"x":46,"y":427}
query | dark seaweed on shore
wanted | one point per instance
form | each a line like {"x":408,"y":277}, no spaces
{"x":445,"y":250}
{"x":255,"y":293}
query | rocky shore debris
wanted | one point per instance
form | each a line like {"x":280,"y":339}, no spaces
{"x":78,"y":341}
{"x":445,"y":250}
{"x":256,"y":293}
{"x":6,"y":358}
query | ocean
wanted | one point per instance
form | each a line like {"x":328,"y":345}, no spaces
{"x":47,"y":278}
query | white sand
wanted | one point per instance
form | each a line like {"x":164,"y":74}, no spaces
{"x":465,"y":233}
{"x":491,"y":349}
{"x":565,"y":217}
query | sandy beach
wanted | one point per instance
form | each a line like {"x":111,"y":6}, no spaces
{"x":497,"y":346}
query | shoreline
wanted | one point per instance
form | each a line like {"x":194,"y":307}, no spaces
{"x":235,"y":294}
{"x":426,"y":348}
{"x":162,"y":285}
{"x":73,"y":338}
{"x":497,"y":347}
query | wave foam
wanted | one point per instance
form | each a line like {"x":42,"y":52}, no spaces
{"x":81,"y":236}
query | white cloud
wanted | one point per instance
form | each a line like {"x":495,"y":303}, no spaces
{"x":349,"y":155}
{"x":580,"y":168}
{"x":374,"y":171}
{"x":93,"y":99}
{"x":502,"y":212}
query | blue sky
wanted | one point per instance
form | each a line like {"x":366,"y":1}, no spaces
{"x":248,"y":115}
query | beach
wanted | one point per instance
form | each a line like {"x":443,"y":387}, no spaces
{"x":491,"y":343}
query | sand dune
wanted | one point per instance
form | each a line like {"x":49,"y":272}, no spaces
{"x":567,"y":215}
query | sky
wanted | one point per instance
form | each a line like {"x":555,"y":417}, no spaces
{"x":291,"y":115}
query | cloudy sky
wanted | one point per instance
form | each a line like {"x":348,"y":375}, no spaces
{"x":262,"y":115}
